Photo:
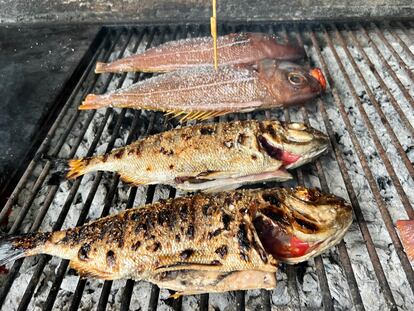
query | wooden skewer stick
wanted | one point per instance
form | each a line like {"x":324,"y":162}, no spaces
{"x":213,"y":27}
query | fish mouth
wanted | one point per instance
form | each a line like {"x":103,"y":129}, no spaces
{"x":289,"y":159}
{"x":318,"y":75}
{"x":308,"y":157}
{"x":301,"y":250}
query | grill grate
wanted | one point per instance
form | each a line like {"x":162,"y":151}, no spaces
{"x":367,"y":113}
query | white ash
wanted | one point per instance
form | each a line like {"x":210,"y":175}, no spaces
{"x":307,"y":283}
{"x":361,"y":264}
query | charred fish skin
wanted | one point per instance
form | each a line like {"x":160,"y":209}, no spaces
{"x":213,"y":236}
{"x":236,"y":48}
{"x":209,"y":157}
{"x":201,"y":93}
{"x":302,"y":223}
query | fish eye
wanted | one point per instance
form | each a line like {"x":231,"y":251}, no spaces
{"x":296,"y":78}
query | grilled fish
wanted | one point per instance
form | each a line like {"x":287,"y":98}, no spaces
{"x":204,"y":243}
{"x":211,"y":157}
{"x":406,"y":229}
{"x":202,"y":92}
{"x":235,"y":48}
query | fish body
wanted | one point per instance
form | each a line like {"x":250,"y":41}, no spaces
{"x":211,"y":157}
{"x":199,"y":243}
{"x":406,"y":229}
{"x":235,"y":48}
{"x":202,"y":92}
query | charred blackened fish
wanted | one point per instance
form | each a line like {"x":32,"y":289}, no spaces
{"x":211,"y":157}
{"x":236,"y":48}
{"x":202,"y":92}
{"x":204,"y":243}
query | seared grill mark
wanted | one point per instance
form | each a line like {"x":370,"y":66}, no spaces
{"x":119,"y":153}
{"x":166,"y":217}
{"x":272,"y":151}
{"x":183,"y":212}
{"x":242,"y":238}
{"x":272,"y":198}
{"x":185,"y":254}
{"x":307,"y":225}
{"x":154,"y":247}
{"x":83,"y":253}
{"x":214,"y":233}
{"x":271,"y":130}
{"x":141,"y":227}
{"x":241,"y":138}
{"x":222,"y":251}
{"x":207,"y":131}
{"x":105,"y":157}
{"x":31,"y":240}
{"x":190,"y":232}
{"x":226,"y":219}
{"x":276,"y":215}
{"x":136,"y":245}
{"x":216,"y":263}
{"x":206,"y":210}
{"x":110,"y":258}
{"x":166,"y":152}
{"x":244,"y":256}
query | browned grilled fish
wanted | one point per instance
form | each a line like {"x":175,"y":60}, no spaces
{"x":202,"y":92}
{"x":235,"y":48}
{"x":212,"y":157}
{"x":204,"y":243}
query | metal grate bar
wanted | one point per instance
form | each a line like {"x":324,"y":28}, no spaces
{"x":320,"y":269}
{"x":357,"y":210}
{"x":378,"y":145}
{"x":399,"y":40}
{"x":346,"y":263}
{"x":374,"y":187}
{"x":13,"y":272}
{"x":377,"y":106}
{"x":335,"y":46}
{"x":393,"y":52}
{"x":64,"y":263}
{"x":388,"y":67}
{"x":393,"y":101}
{"x":405,"y":30}
{"x":80,"y":287}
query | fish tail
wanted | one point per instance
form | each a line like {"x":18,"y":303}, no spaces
{"x":19,"y":246}
{"x":77,"y":167}
{"x":93,"y":101}
{"x":102,"y":67}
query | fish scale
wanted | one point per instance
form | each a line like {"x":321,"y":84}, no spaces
{"x":217,"y":237}
{"x":208,"y":156}
{"x":232,"y":48}
{"x":203,"y":92}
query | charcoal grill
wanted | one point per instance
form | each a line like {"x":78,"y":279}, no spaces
{"x":368,"y":113}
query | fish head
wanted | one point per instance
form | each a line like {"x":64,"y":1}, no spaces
{"x":297,"y":224}
{"x":292,"y":143}
{"x":289,"y":83}
{"x":274,"y":50}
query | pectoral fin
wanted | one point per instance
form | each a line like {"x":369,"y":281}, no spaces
{"x":87,"y":270}
{"x":194,"y":115}
{"x":192,"y":282}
